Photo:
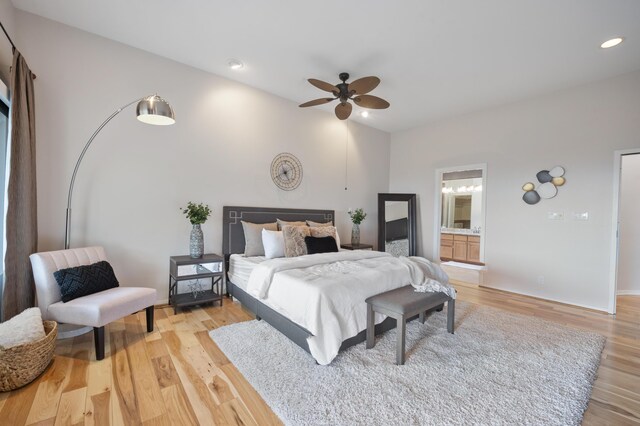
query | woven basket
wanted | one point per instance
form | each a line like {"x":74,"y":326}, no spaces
{"x":21,"y":364}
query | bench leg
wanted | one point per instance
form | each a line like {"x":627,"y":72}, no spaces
{"x":451,"y":312}
{"x":371,"y":327}
{"x":401,"y":325}
{"x":150,"y":312}
{"x":98,"y":339}
{"x":422,"y":317}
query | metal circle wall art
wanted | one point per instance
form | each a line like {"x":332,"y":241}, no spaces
{"x":286,"y":171}
{"x":549,"y":180}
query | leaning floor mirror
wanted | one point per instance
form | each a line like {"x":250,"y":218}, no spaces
{"x":397,"y":224}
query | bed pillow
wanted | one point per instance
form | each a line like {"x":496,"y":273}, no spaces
{"x":273,"y":242}
{"x":325,"y":231}
{"x":320,"y":245}
{"x":283,"y":223}
{"x":253,"y":237}
{"x":26,"y":327}
{"x":294,"y":244}
{"x":318,"y":224}
{"x":84,"y":280}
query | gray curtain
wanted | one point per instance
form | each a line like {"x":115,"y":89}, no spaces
{"x":22,"y":225}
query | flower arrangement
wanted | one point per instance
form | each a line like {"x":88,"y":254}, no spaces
{"x":196,"y":213}
{"x":357,"y":216}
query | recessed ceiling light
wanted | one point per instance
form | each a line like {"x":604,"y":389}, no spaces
{"x":235,"y":64}
{"x":611,"y":43}
{"x":365,"y":114}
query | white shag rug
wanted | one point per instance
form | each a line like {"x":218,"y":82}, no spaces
{"x":499,"y":368}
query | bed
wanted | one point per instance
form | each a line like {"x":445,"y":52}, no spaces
{"x":239,"y":269}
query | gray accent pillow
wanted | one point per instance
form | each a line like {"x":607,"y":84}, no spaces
{"x":283,"y":223}
{"x":294,"y":244}
{"x":253,"y":237}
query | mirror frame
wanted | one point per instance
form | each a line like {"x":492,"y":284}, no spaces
{"x":411,"y":217}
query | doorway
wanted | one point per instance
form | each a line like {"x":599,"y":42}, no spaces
{"x":625,"y":269}
{"x":460,"y":205}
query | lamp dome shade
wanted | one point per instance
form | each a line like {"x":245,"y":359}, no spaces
{"x":155,"y":110}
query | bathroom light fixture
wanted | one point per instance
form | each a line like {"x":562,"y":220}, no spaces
{"x":235,"y":64}
{"x":612,"y":42}
{"x":364,"y":114}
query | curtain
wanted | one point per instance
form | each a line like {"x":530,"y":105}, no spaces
{"x":22,"y":225}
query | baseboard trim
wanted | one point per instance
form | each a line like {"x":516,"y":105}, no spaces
{"x":548,"y":299}
{"x":628,"y":293}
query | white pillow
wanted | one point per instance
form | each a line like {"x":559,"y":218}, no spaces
{"x":273,"y":242}
{"x":26,"y":327}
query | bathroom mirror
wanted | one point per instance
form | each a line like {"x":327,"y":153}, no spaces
{"x":462,"y":200}
{"x":397,"y":224}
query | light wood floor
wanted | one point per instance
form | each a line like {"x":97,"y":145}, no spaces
{"x":177,"y":375}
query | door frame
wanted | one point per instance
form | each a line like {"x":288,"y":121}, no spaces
{"x":615,"y":226}
{"x":438,"y":206}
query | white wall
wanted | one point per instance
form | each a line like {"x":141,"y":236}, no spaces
{"x":579,"y":129}
{"x":135,"y":177}
{"x":629,"y":231}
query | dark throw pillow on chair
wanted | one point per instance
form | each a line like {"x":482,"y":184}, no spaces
{"x":85,"y":280}
{"x":320,"y":245}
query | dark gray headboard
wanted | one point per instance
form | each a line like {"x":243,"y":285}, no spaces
{"x":233,"y":234}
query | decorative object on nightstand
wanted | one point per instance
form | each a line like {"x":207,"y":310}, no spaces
{"x":357,"y":216}
{"x":186,"y":268}
{"x":197,"y":215}
{"x":356,"y":246}
{"x":150,"y":110}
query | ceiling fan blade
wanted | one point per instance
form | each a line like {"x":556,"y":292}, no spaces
{"x":322,"y":85}
{"x":364,"y":85}
{"x":316,"y":102}
{"x":343,"y":110}
{"x":373,"y":102}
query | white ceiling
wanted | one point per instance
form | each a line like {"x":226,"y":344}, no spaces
{"x":436,"y":58}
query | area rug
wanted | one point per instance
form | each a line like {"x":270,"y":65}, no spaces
{"x":499,"y":368}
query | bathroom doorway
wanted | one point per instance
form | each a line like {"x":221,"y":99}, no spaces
{"x":625,"y":269}
{"x":460,"y":216}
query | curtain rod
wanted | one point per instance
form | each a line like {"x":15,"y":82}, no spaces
{"x":13,"y":46}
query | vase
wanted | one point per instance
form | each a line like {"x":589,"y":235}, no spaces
{"x":196,"y":245}
{"x":355,"y":234}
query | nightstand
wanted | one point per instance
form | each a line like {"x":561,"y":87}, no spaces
{"x":186,"y":268}
{"x":356,"y":246}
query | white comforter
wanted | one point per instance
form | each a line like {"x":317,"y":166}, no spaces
{"x":325,"y":293}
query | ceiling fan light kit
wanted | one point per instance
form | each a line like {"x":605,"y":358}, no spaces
{"x":355,"y":91}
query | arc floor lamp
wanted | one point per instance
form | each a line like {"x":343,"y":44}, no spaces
{"x":151,"y":109}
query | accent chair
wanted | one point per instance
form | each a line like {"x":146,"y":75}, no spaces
{"x":95,"y":310}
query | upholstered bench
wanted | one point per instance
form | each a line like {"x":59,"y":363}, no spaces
{"x":401,"y":304}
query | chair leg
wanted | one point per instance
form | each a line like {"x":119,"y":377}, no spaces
{"x":150,"y":319}
{"x":98,"y":338}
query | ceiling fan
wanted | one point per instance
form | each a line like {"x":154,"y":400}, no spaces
{"x":355,"y":91}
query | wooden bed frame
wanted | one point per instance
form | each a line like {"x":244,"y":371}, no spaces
{"x":233,"y":243}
